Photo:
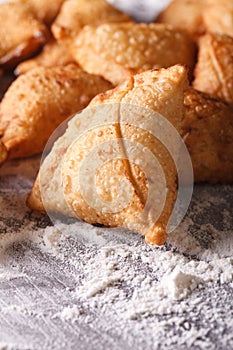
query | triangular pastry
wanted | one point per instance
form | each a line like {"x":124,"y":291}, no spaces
{"x":75,"y":14}
{"x":214,"y":69}
{"x":39,"y":100}
{"x":209,"y":122}
{"x":107,"y":167}
{"x":117,"y":50}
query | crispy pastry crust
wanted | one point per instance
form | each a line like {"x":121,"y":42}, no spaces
{"x":52,"y":55}
{"x":46,"y":11}
{"x":75,"y":14}
{"x":117,"y":50}
{"x":21,"y":34}
{"x":3,"y":152}
{"x":38,"y":101}
{"x":184,"y":14}
{"x":209,"y":122}
{"x":214,"y":69}
{"x":218,"y":16}
{"x":57,"y":185}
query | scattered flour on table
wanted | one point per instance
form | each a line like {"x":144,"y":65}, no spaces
{"x":4,"y":346}
{"x":69,"y":313}
{"x":8,"y":275}
{"x":114,"y":272}
{"x":165,"y":276}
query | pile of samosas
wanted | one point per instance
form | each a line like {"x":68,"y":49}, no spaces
{"x":70,"y":54}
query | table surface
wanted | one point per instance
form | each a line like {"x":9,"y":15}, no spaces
{"x":40,"y":282}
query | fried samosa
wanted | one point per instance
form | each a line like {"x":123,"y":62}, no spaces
{"x":209,"y":122}
{"x":184,"y":14}
{"x":214,"y":69}
{"x":21,"y":34}
{"x":75,"y":14}
{"x":117,"y":50}
{"x":119,"y":130}
{"x":39,"y":100}
{"x":218,"y":16}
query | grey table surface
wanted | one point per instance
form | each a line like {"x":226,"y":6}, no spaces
{"x":44,"y":284}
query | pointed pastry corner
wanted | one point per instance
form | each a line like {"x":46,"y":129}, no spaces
{"x":156,"y":236}
{"x":34,"y":199}
{"x":175,"y":72}
{"x":3,"y":152}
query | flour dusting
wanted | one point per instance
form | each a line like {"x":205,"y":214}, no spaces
{"x":174,"y":275}
{"x":69,"y":313}
{"x":108,"y":283}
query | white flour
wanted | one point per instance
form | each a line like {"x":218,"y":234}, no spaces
{"x":178,"y":276}
{"x":110,"y":279}
{"x":69,"y":313}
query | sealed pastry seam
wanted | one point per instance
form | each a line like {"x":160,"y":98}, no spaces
{"x":124,"y":151}
{"x":158,"y":91}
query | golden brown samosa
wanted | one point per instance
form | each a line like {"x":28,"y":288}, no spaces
{"x":214,"y":69}
{"x":39,"y":100}
{"x":116,"y":125}
{"x":117,"y":50}
{"x":21,"y":34}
